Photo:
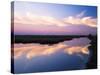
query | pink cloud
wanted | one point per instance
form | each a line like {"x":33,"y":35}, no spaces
{"x":89,"y":21}
{"x":32,"y":19}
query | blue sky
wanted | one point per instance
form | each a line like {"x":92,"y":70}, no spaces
{"x":56,"y":10}
{"x":31,"y":18}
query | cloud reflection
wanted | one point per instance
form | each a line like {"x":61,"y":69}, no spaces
{"x":74,"y":46}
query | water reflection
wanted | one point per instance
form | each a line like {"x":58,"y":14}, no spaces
{"x":79,"y":45}
{"x":67,"y":55}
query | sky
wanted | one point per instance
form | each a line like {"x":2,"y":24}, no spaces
{"x":31,"y":18}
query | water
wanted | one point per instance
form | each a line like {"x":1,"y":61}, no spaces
{"x":67,"y":55}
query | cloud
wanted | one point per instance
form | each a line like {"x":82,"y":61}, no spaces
{"x":88,"y":21}
{"x":32,"y":19}
{"x":81,"y":14}
{"x":33,"y":50}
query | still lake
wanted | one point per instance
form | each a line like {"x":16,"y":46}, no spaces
{"x":67,"y":55}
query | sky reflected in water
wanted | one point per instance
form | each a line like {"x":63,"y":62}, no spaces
{"x":67,"y":55}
